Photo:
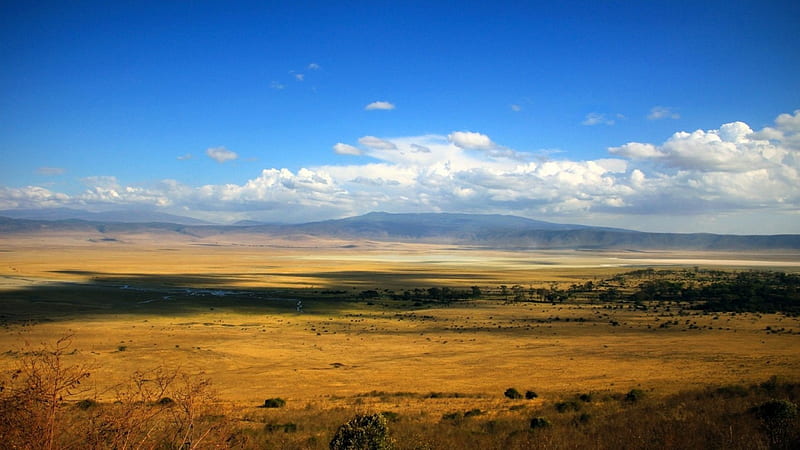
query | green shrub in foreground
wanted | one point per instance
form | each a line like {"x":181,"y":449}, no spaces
{"x":363,"y":432}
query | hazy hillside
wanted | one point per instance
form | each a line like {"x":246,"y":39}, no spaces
{"x":107,"y":216}
{"x":490,"y":231}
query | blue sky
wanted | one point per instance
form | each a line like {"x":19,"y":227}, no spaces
{"x":662,"y":116}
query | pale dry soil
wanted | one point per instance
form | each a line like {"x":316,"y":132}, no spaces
{"x":331,"y":355}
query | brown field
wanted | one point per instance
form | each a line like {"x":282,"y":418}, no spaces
{"x":385,"y":356}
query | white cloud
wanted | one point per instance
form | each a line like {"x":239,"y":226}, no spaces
{"x":376,"y":143}
{"x":471,"y":141}
{"x":386,"y":106}
{"x":734,"y":147}
{"x":51,"y":171}
{"x":722,"y":178}
{"x":595,"y":118}
{"x":277,"y":86}
{"x":636,"y":150}
{"x":313,"y":66}
{"x":185,"y":157}
{"x":344,"y":149}
{"x":299,"y":76}
{"x":30,"y":197}
{"x":662,"y":112}
{"x":221,"y":154}
{"x":420,"y":148}
{"x":516,"y":108}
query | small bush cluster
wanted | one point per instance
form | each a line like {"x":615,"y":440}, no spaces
{"x":274,"y":403}
{"x":514,"y":394}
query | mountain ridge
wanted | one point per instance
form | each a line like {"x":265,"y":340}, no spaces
{"x":488,"y":231}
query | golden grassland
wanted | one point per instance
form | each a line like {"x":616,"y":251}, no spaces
{"x":382,"y":355}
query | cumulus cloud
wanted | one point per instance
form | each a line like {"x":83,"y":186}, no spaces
{"x":705,"y":175}
{"x":734,"y":147}
{"x":299,"y":77}
{"x":595,"y":118}
{"x":516,"y":108}
{"x":662,"y":112}
{"x":50,"y":171}
{"x":313,"y":66}
{"x":344,"y":149}
{"x":471,"y":141}
{"x":379,"y":106}
{"x":31,"y":197}
{"x":221,"y":154}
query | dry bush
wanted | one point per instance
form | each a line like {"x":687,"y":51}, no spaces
{"x":39,"y":407}
{"x":33,"y":395}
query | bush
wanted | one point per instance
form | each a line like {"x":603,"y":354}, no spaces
{"x":567,"y":406}
{"x":274,"y":403}
{"x":86,"y":404}
{"x":539,"y":422}
{"x":363,"y":432}
{"x":586,"y":398}
{"x":530,"y":395}
{"x":777,"y":417}
{"x":512,"y":394}
{"x":582,"y":419}
{"x":165,"y":401}
{"x":634,"y":395}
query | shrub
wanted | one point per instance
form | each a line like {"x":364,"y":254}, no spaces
{"x":86,"y":404}
{"x":777,"y":417}
{"x":165,"y":401}
{"x":539,"y":422}
{"x":634,"y":395}
{"x":586,"y":398}
{"x":530,"y":395}
{"x":512,"y":394}
{"x":582,"y":419}
{"x":274,"y":403}
{"x":363,"y":432}
{"x":567,"y":406}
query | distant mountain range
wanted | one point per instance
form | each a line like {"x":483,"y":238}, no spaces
{"x":488,"y":231}
{"x":107,"y":216}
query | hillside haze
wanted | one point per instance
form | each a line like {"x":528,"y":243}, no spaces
{"x":486,"y":231}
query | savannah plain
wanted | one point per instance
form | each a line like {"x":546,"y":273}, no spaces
{"x":227,"y":310}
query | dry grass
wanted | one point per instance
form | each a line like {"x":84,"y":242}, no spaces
{"x":339,"y":357}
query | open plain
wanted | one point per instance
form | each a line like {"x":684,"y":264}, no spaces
{"x":229,"y":311}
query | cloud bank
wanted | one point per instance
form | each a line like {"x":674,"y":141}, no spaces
{"x":729,"y":179}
